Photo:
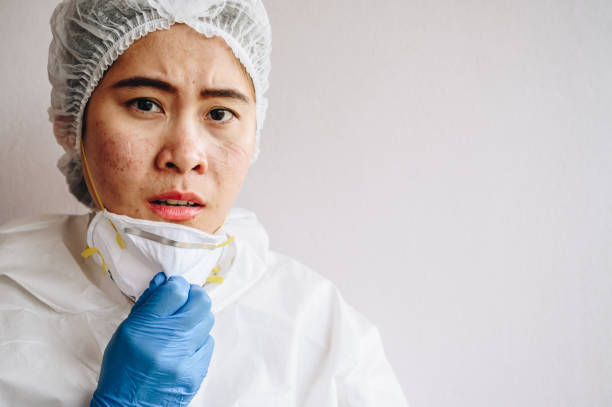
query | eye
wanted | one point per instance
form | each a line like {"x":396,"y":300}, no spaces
{"x":221,"y":115}
{"x":145,"y":105}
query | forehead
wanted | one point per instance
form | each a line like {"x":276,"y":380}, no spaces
{"x":184,"y":57}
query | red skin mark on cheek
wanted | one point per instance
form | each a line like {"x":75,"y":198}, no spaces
{"x":119,"y":155}
{"x":111,"y":156}
{"x":119,"y":171}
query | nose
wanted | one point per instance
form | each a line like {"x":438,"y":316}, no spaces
{"x":183,"y":149}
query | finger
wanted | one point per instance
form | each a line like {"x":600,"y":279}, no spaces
{"x":199,"y":332}
{"x":156,"y":281}
{"x":197,"y":305}
{"x":204,"y":354}
{"x":167,"y":298}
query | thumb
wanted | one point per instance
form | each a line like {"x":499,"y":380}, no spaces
{"x":156,"y":281}
{"x":166,"y":299}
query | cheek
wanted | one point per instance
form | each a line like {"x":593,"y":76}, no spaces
{"x":230,"y":163}
{"x":120,"y":157}
{"x":117,"y":163}
{"x":116,"y":157}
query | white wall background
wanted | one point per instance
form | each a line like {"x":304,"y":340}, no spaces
{"x":447,"y":164}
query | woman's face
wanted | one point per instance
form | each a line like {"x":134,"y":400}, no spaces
{"x":170,"y":130}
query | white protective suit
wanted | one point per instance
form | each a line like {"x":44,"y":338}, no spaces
{"x":283,"y":334}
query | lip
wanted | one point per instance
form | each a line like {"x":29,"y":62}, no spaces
{"x":176,"y":213}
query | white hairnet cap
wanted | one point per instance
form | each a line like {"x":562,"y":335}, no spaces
{"x":89,"y":36}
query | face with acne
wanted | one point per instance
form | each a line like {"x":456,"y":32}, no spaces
{"x":170,"y":130}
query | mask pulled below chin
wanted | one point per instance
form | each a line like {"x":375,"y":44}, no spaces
{"x":133,"y":250}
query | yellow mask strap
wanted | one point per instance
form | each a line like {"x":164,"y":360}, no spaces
{"x":214,"y":277}
{"x":90,"y":251}
{"x":228,"y":241}
{"x":120,"y":241}
{"x":88,"y":175}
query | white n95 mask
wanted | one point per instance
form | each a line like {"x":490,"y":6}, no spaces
{"x":132,"y":251}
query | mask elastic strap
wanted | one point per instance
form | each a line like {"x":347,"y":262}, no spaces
{"x":214,"y":277}
{"x":120,"y":241}
{"x":93,"y":186}
{"x":228,"y":241}
{"x":90,"y":251}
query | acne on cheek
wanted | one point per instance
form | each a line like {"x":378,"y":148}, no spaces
{"x":117,"y":156}
{"x":116,"y":162}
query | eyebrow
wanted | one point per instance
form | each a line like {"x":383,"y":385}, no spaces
{"x":142,"y":81}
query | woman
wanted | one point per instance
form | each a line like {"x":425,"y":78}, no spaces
{"x":159,"y":106}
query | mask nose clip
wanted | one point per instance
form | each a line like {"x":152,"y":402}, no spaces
{"x":173,"y":243}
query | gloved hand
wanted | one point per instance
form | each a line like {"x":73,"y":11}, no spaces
{"x":160,"y":353}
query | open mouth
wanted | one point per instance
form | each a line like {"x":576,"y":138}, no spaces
{"x":175,"y":202}
{"x":176,"y":206}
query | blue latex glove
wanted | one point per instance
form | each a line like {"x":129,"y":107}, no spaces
{"x":160,"y":353}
